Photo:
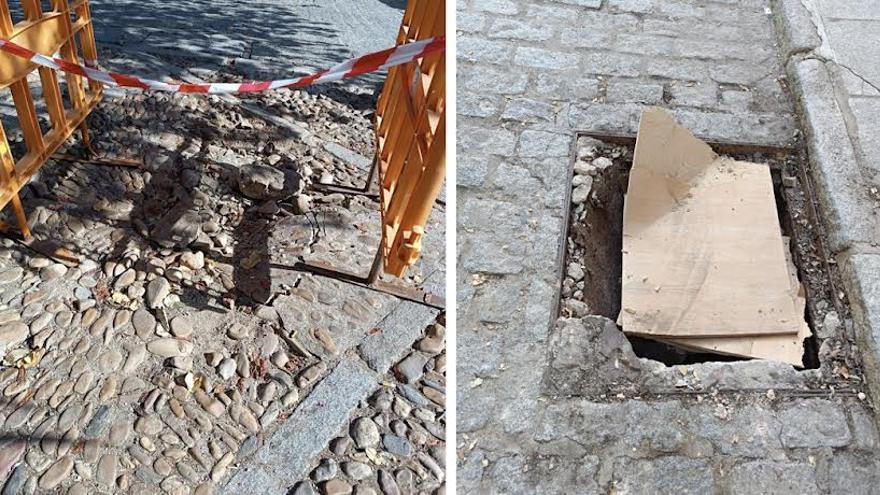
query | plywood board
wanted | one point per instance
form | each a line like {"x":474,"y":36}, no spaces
{"x":783,"y":348}
{"x":786,"y":348}
{"x":703,"y":255}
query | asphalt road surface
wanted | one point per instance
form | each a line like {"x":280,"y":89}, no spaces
{"x":268,"y":38}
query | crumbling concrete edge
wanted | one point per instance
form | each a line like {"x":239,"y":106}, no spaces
{"x":286,"y":455}
{"x":835,"y":169}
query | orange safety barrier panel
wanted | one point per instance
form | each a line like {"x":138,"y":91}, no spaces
{"x":63,"y":29}
{"x":411,"y":139}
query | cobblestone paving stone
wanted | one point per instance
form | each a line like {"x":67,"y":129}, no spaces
{"x":180,"y":344}
{"x":568,"y":407}
{"x":395,"y":442}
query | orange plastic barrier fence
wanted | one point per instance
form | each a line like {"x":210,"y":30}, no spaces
{"x":63,"y":29}
{"x":411,"y":139}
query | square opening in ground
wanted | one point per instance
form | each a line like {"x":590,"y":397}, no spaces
{"x":592,"y":264}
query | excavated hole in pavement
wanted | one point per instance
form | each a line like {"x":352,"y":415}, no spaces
{"x":594,"y":244}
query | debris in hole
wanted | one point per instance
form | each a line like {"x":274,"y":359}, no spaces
{"x":704,"y":260}
{"x":594,"y":242}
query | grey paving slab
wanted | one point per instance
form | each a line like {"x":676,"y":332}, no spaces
{"x":287,"y":455}
{"x":848,"y":9}
{"x":863,"y":271}
{"x":867,"y":116}
{"x":394,"y":334}
{"x":839,"y":180}
{"x":847,"y":40}
{"x":797,"y":27}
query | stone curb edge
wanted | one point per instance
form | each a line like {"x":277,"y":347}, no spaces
{"x":835,"y":170}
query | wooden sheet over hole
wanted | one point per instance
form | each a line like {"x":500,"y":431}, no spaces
{"x":703,"y":255}
{"x":786,"y":348}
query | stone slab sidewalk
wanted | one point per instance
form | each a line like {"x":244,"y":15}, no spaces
{"x":567,"y":407}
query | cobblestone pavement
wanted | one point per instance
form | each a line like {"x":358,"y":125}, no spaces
{"x":182,"y":348}
{"x":396,"y":441}
{"x":547,"y":405}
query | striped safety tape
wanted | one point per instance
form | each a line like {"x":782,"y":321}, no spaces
{"x":370,"y":62}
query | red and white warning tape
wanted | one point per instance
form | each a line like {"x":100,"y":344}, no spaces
{"x":361,"y":65}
